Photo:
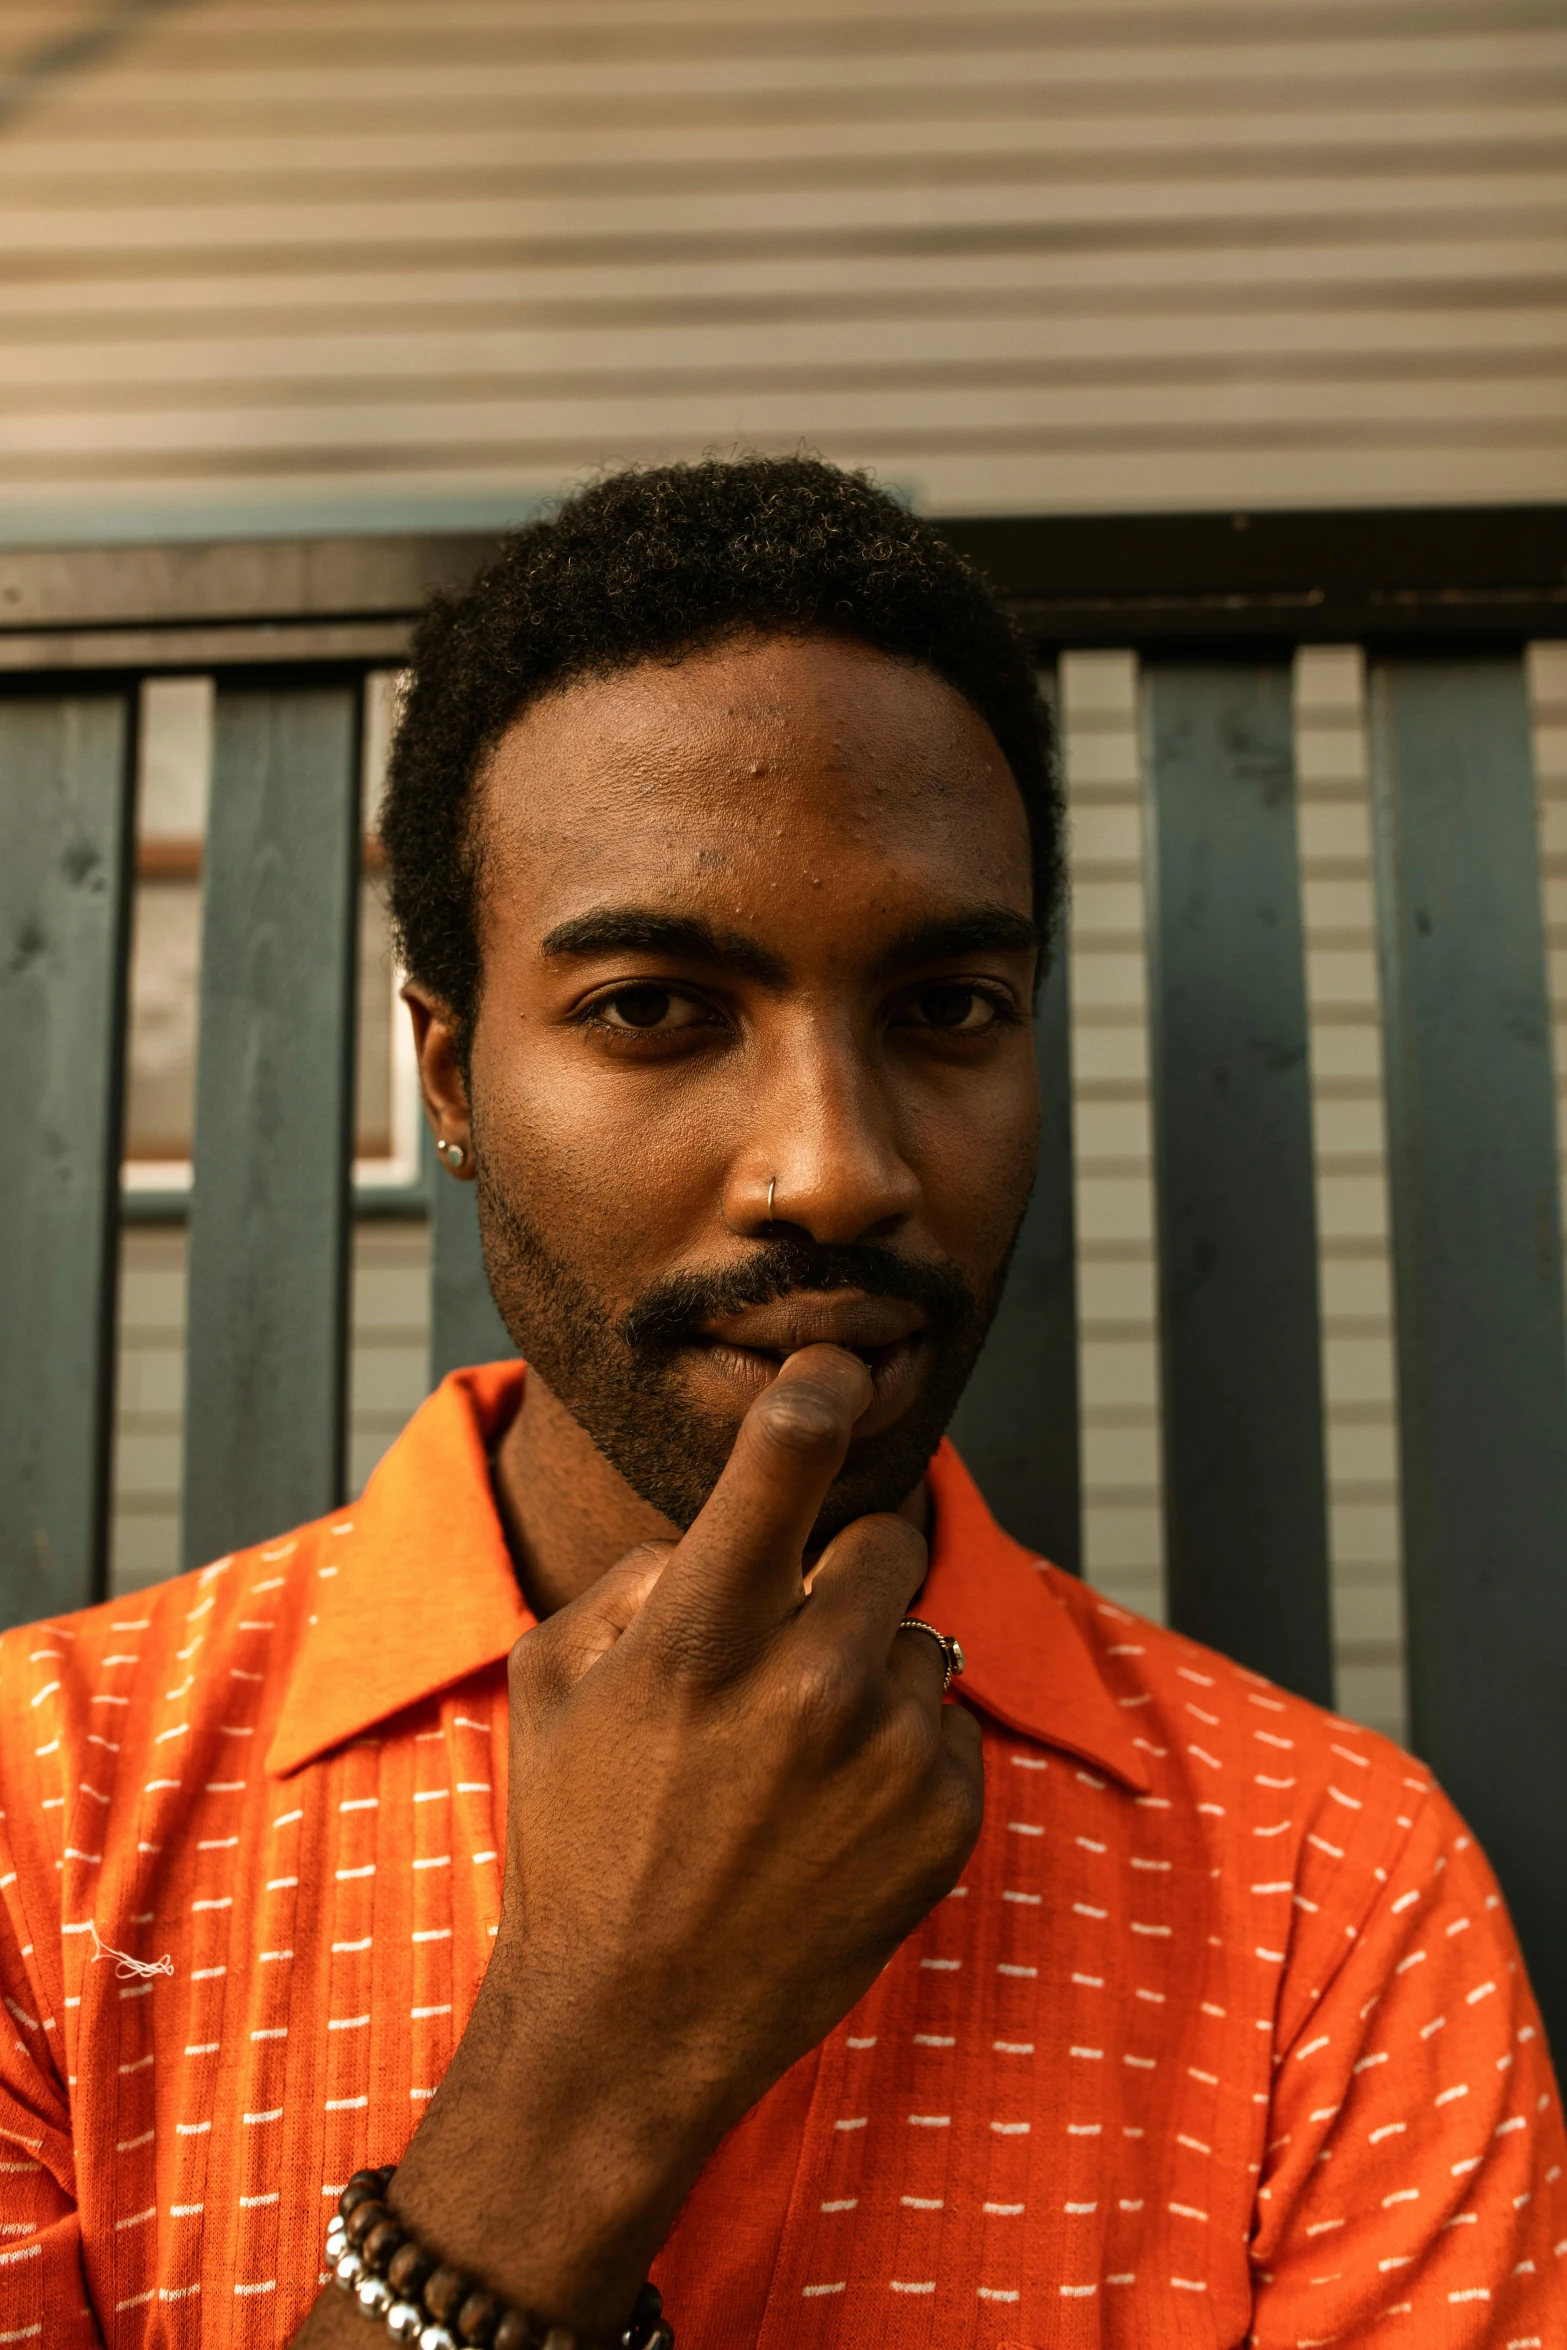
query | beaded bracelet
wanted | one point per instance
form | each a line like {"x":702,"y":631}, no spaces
{"x":422,"y":2300}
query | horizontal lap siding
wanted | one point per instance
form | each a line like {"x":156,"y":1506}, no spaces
{"x":1123,"y":1542}
{"x":338,"y":260}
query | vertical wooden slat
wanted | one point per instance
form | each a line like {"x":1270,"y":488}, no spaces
{"x":1245,"y":1502}
{"x":464,"y":1325}
{"x":1017,"y":1425}
{"x":65,"y":834}
{"x":1476,"y":1219}
{"x":269,"y":1252}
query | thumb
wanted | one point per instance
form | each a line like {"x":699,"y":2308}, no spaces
{"x":570,"y":1643}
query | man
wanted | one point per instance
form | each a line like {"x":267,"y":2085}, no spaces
{"x":583,"y":1823}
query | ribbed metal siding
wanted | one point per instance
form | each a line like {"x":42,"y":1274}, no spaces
{"x":329,"y":259}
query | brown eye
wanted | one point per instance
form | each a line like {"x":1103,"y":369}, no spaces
{"x":648,"y":1008}
{"x":638,"y":1007}
{"x":958,"y":1010}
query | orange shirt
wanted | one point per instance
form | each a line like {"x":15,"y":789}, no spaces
{"x":1223,"y":2037}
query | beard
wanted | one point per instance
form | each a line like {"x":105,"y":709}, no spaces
{"x":621,"y":1377}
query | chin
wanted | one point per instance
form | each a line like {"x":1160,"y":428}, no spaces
{"x":677,"y":1480}
{"x":878,"y":1485}
{"x":663,"y":1427}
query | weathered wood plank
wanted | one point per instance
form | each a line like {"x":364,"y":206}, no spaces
{"x":283,"y":643}
{"x":1245,"y":1506}
{"x":64,"y":906}
{"x":269,"y":1259}
{"x":1476,"y":1214}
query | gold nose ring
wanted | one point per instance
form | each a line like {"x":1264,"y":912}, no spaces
{"x":772,"y":1186}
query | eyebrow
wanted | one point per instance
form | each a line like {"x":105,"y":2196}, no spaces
{"x":640,"y":930}
{"x":983,"y":930}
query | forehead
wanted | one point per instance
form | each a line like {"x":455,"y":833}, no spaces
{"x":766,"y":779}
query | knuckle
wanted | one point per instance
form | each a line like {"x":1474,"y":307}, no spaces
{"x":908,"y":1556}
{"x":894,"y":1542}
{"x":961,"y":1793}
{"x":910,"y":1736}
{"x":622,"y":1592}
{"x":884,"y":1550}
{"x":964,"y":1731}
{"x":536,"y":1675}
{"x":824,"y":1693}
{"x":643,"y":1558}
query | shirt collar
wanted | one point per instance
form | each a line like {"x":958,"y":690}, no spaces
{"x":1026,"y":1658}
{"x":423,"y":1594}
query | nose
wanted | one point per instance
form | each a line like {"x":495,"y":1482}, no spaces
{"x":822,"y":1153}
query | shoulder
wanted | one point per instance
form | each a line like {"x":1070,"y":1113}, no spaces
{"x":1306,"y":1818}
{"x":1217,"y":1716}
{"x":99,"y":1675}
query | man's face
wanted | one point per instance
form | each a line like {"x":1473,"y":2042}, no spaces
{"x":753,"y":1064}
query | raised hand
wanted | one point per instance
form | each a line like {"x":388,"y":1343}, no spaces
{"x":729,"y":1803}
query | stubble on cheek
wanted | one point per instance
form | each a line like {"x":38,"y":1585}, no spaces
{"x":637,"y":1411}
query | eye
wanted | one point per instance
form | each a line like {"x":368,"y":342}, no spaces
{"x":647,"y":1007}
{"x":957,"y":1009}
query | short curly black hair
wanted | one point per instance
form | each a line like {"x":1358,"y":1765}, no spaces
{"x":649,"y":564}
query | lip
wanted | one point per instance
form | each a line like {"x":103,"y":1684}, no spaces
{"x":846,"y":1318}
{"x":744,"y":1352}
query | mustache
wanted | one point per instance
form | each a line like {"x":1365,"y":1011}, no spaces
{"x":671,"y":1309}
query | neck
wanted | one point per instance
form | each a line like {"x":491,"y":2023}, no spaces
{"x":568,"y":1514}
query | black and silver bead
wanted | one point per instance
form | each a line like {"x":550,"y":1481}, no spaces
{"x":418,"y":2299}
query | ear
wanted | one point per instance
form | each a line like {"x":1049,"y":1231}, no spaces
{"x":441,"y":1079}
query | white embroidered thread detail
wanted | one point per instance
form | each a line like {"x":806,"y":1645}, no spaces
{"x":128,"y":1968}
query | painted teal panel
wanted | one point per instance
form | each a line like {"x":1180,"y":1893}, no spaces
{"x":269,"y":1239}
{"x":1244,"y":1473}
{"x":1477,"y":1257}
{"x":65,"y":834}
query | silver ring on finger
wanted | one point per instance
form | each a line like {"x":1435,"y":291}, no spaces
{"x":951,"y":1652}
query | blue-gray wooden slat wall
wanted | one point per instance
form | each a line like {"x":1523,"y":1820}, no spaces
{"x":65,"y":786}
{"x":267,"y":1351}
{"x":1245,"y":1499}
{"x":1477,"y":1266}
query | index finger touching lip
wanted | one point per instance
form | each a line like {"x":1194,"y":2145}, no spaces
{"x":750,"y":1535}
